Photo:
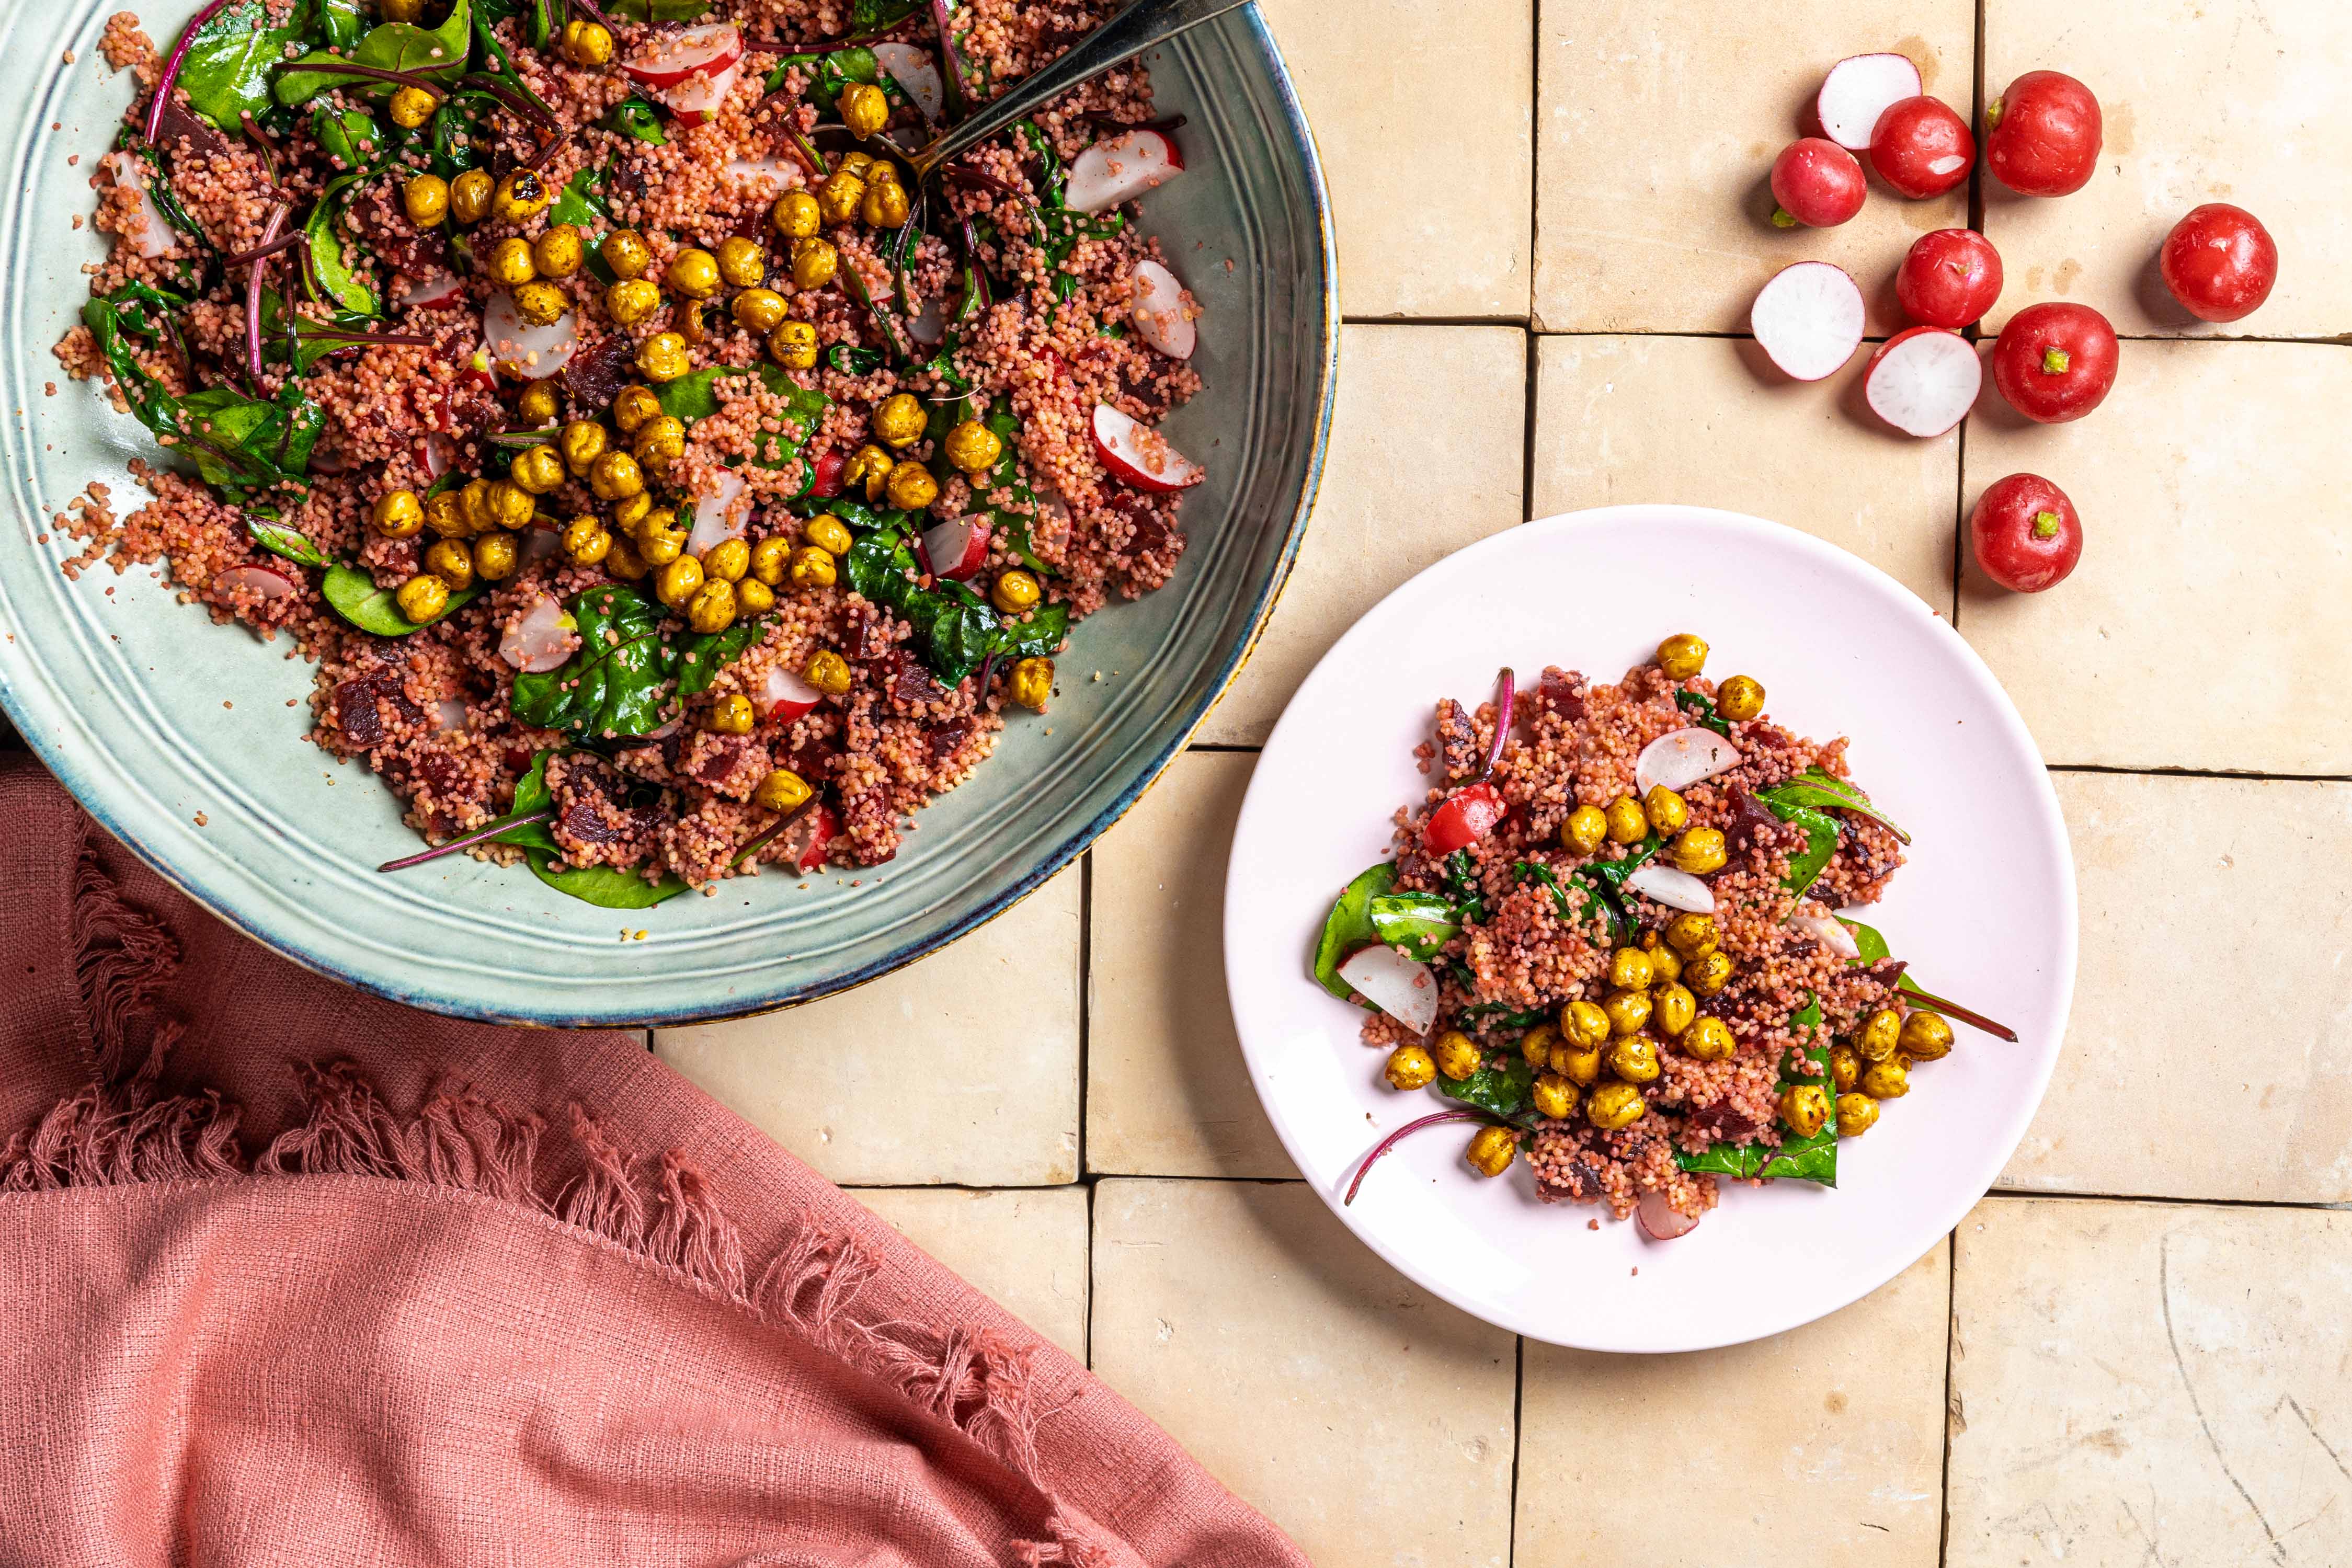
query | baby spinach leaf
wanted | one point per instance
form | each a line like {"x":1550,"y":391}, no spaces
{"x":1349,"y":926}
{"x":226,"y":72}
{"x":658,"y":10}
{"x":1419,"y":922}
{"x":955,"y":629}
{"x":696,"y":397}
{"x":1702,"y":711}
{"x":1461,"y":882}
{"x":702,"y":656}
{"x":532,"y":797}
{"x":606,"y":887}
{"x":239,"y":445}
{"x":618,"y":684}
{"x":278,"y":539}
{"x":346,"y":286}
{"x":1820,"y":832}
{"x":1815,"y":788}
{"x":635,"y":118}
{"x":341,"y":24}
{"x":340,"y":135}
{"x":354,"y":596}
{"x":580,"y":202}
{"x":873,"y":15}
{"x":1009,"y":521}
{"x":1812,"y":1158}
{"x":853,"y":361}
{"x":440,"y":54}
{"x":1502,"y":1090}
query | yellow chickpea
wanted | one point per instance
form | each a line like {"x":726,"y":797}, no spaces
{"x":741,"y":262}
{"x":1666,"y":810}
{"x":659,"y":442}
{"x":856,"y":161}
{"x":540,"y":303}
{"x":445,"y":514}
{"x":426,"y":199}
{"x":624,"y":562}
{"x":469,"y":197}
{"x":1629,"y":969}
{"x":477,"y":501}
{"x":1682,"y":655}
{"x":694,"y":273}
{"x":680,"y":581}
{"x":1889,"y":1079}
{"x":1845,"y":1067}
{"x":753,"y":597}
{"x":1739,"y":699}
{"x":762,"y":310}
{"x":581,"y":443}
{"x":1554,"y":1096}
{"x":1410,"y":1067}
{"x":510,"y":263}
{"x":631,"y":300}
{"x":1585,"y":830}
{"x":510,"y":505}
{"x":560,"y":252}
{"x":770,"y":559}
{"x":1665,"y":963}
{"x":781,"y":791}
{"x":625,"y":253}
{"x":1856,"y":1114}
{"x":540,"y":471}
{"x":884,"y":206}
{"x":1698,"y":850}
{"x":839,"y":197}
{"x":1583,"y":1023}
{"x":615,"y":476}
{"x":795,"y":216}
{"x":864,"y":109}
{"x":633,"y":406}
{"x":712,"y":608}
{"x":828,"y":672}
{"x":399,"y":514}
{"x":1577,"y":1064}
{"x":1709,"y":972}
{"x":659,"y":538}
{"x":663,"y":356}
{"x":1880,"y":1033}
{"x":1458,"y":1057}
{"x":868,"y":470}
{"x":422,"y":598}
{"x":1692,"y":935}
{"x":629,"y":513}
{"x":410,"y":11}
{"x":793,"y":345}
{"x":1636,"y":1058}
{"x":521,"y":197}
{"x":1627,"y":825}
{"x":974,"y":447}
{"x":494,"y":556}
{"x":899,"y":420}
{"x":452,"y":562}
{"x":727,"y":560}
{"x":586,"y":541}
{"x":1805,"y":1107}
{"x":1671,"y":1009}
{"x":1627,"y":1010}
{"x":411,"y":107}
{"x":1016,"y":592}
{"x":586,"y":44}
{"x":538,"y":404}
{"x":814,"y":263}
{"x":731,"y":715}
{"x":828,"y":532}
{"x":1538,"y":1044}
{"x":1492,"y":1151}
{"x":1033,"y":683}
{"x":1613,"y":1107}
{"x":813,"y":567}
{"x":1708,"y":1040}
{"x":911,"y":487}
{"x":1926,"y":1037}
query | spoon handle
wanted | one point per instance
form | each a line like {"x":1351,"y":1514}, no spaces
{"x":1125,"y":36}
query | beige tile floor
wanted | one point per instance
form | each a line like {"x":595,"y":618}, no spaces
{"x":2134,"y":1350}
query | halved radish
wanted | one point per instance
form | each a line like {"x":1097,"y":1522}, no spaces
{"x":538,"y":543}
{"x":957,"y":550}
{"x":787,"y":696}
{"x":805,"y":843}
{"x":450,"y":713}
{"x":1808,"y":318}
{"x":667,"y":59}
{"x":912,"y":69}
{"x":1829,"y":932}
{"x":1675,"y":888}
{"x":1141,"y":455}
{"x":436,"y":455}
{"x":1160,"y":319}
{"x":522,"y":349}
{"x":1857,"y":91}
{"x":1924,"y":380}
{"x":260,"y":581}
{"x":541,"y":638}
{"x":1660,"y":1220}
{"x":696,"y":98}
{"x":1121,"y":169}
{"x":1683,"y":758}
{"x":1394,"y":983}
{"x":442,"y":291}
{"x":772,"y":174}
{"x":156,"y":236}
{"x":721,"y":511}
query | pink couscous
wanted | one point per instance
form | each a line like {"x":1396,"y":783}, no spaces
{"x":663,"y":485}
{"x":1606,"y":938}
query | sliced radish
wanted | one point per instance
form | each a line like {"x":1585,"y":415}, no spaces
{"x":442,"y":291}
{"x":1462,"y":820}
{"x":958,"y":549}
{"x":156,"y":236}
{"x":1157,"y":310}
{"x":436,"y":455}
{"x":667,"y":59}
{"x":522,"y":349}
{"x":1141,"y":455}
{"x":929,"y":326}
{"x":1394,"y":983}
{"x":805,"y":843}
{"x":721,"y":511}
{"x":912,"y":69}
{"x":1683,"y":758}
{"x":1660,"y":1220}
{"x":1924,"y":380}
{"x":772,"y":174}
{"x":450,"y":713}
{"x":541,"y":638}
{"x":787,"y":696}
{"x":696,"y":98}
{"x":1858,"y":90}
{"x":260,"y":581}
{"x":1675,"y":888}
{"x":1808,"y":318}
{"x":1122,"y":169}
{"x":1827,"y":931}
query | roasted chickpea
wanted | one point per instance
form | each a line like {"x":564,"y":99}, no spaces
{"x":763,"y":311}
{"x":1856,"y":1114}
{"x":586,"y":541}
{"x":422,"y":598}
{"x":1554,"y":1096}
{"x":1698,"y":850}
{"x":538,"y":404}
{"x":899,"y":420}
{"x":1410,"y":1067}
{"x":829,"y":532}
{"x":731,"y":715}
{"x":1536,"y":1045}
{"x":712,"y":608}
{"x":864,"y":109}
{"x":1627,"y":825}
{"x":1740,"y":699}
{"x":1691,"y":934}
{"x":1016,"y":592}
{"x":856,"y":161}
{"x":663,"y":356}
{"x":828,"y":672}
{"x":452,"y":562}
{"x":1627,"y":1010}
{"x":1583,"y":1023}
{"x":769,"y":559}
{"x":400,"y":10}
{"x":510,"y":505}
{"x":469,"y":197}
{"x":1709,"y":972}
{"x":581,"y":443}
{"x":884,"y":206}
{"x":1636,"y":1058}
{"x":560,"y":252}
{"x":411,"y":107}
{"x":540,"y":303}
{"x":694,"y":273}
{"x":815,"y":262}
{"x":1666,"y":810}
{"x":741,"y":262}
{"x":510,"y":263}
{"x":868,"y":470}
{"x":792,"y":344}
{"x":813,"y":567}
{"x":426,"y":199}
{"x":478,"y":502}
{"x":1671,"y":1009}
{"x":839,"y":197}
{"x":795,"y":216}
{"x":658,"y":442}
{"x":586,"y":44}
{"x":615,"y":476}
{"x":974,"y":447}
{"x":1665,"y":963}
{"x":1805,"y":1107}
{"x":1579,"y":1064}
{"x":1845,"y":1067}
{"x":625,"y":253}
{"x":494,"y":556}
{"x":1888,"y":1080}
{"x":1585,"y":830}
{"x":1708,"y":1040}
{"x":630,"y":512}
{"x":521,"y":197}
{"x":1492,"y":1151}
{"x":1880,"y":1033}
{"x":1457,"y":1058}
{"x":631,"y":406}
{"x":398,"y":514}
{"x":679,"y":581}
{"x":727,"y":560}
{"x":631,"y":300}
{"x":1033,"y":683}
{"x":911,"y":487}
{"x":1682,"y":655}
{"x":1926,"y":1037}
{"x":445,"y":514}
{"x":624,"y":562}
{"x":659,"y":538}
{"x":1629,"y":969}
{"x":540,"y":470}
{"x":1613,"y":1107}
{"x":753,"y":597}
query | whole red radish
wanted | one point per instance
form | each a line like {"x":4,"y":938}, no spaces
{"x":2055,"y":363}
{"x":1921,"y":148}
{"x":2041,"y":136}
{"x":2025,"y":533}
{"x":1817,"y":183}
{"x":2220,"y":262}
{"x":1950,"y":278}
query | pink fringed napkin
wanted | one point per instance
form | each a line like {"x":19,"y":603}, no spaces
{"x":290,"y":1275}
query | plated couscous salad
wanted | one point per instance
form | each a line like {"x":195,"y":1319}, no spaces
{"x":665,"y":482}
{"x":1608,"y":938}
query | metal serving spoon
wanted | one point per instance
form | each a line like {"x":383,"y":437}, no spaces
{"x":1124,"y":37}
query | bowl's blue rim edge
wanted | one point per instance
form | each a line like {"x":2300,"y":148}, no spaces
{"x":57,"y":759}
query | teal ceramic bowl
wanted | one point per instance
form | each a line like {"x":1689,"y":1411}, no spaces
{"x":178,"y":735}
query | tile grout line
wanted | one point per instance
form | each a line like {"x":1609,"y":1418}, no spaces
{"x":1086,"y":1021}
{"x":1951,"y":1342}
{"x":2169,"y":772}
{"x":2030,"y":1195}
{"x":1518,"y":1425}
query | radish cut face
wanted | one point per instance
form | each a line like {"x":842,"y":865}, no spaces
{"x":268,"y":583}
{"x":1121,"y":170}
{"x":1829,"y":932}
{"x":721,"y":511}
{"x":670,"y":58}
{"x":1660,"y":1220}
{"x":958,"y":550}
{"x":1924,"y":380}
{"x":1140,"y":456}
{"x":1683,"y":758}
{"x":442,"y":291}
{"x":540,"y":639}
{"x":1159,"y":312}
{"x":532,"y":353}
{"x":155,"y":236}
{"x":912,"y":69}
{"x":1858,"y":90}
{"x":1674,"y":888}
{"x":787,"y":696}
{"x":698,"y":98}
{"x":1808,"y":318}
{"x":1394,"y":983}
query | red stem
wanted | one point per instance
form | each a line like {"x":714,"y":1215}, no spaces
{"x":761,"y":840}
{"x":1998,"y":1031}
{"x":951,"y":58}
{"x":502,"y":825}
{"x":1393,"y":1139}
{"x":165,"y":83}
{"x":263,"y":252}
{"x":1506,"y":697}
{"x":253,"y":283}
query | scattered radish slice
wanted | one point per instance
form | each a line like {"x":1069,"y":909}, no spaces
{"x":807,"y":840}
{"x":1808,"y":318}
{"x":1462,"y":820}
{"x":787,"y":695}
{"x":1121,"y":169}
{"x":1683,"y":758}
{"x":696,"y":98}
{"x":1141,"y":455}
{"x":775,"y":174}
{"x":1830,"y":933}
{"x":1394,"y":983}
{"x":1159,"y":313}
{"x":957,"y":550}
{"x":1675,"y":888}
{"x":437,"y":454}
{"x":1924,"y":380}
{"x":260,"y":581}
{"x":667,"y":59}
{"x":450,"y":713}
{"x":1661,"y":1220}
{"x":912,"y":69}
{"x":442,"y":291}
{"x":155,"y":236}
{"x":1857,"y":91}
{"x":530,"y":352}
{"x":540,"y":639}
{"x":929,"y":326}
{"x":721,"y":511}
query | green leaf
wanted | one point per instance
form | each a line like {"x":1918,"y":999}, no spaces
{"x":1875,"y":950}
{"x":1349,"y":926}
{"x":226,"y":72}
{"x":1820,"y":837}
{"x":346,"y":286}
{"x":439,"y":54}
{"x":1812,"y":1158}
{"x":1702,"y":711}
{"x":354,"y":596}
{"x":702,"y":655}
{"x":239,"y":445}
{"x":955,"y":629}
{"x":606,"y":887}
{"x":1010,"y":521}
{"x":873,"y":15}
{"x":1419,"y":922}
{"x":581,"y":204}
{"x":341,"y":24}
{"x":618,"y":683}
{"x":635,"y":118}
{"x":696,"y":397}
{"x":340,"y":135}
{"x":1502,"y":1090}
{"x":1815,"y":788}
{"x":280,"y":539}
{"x":531,"y":797}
